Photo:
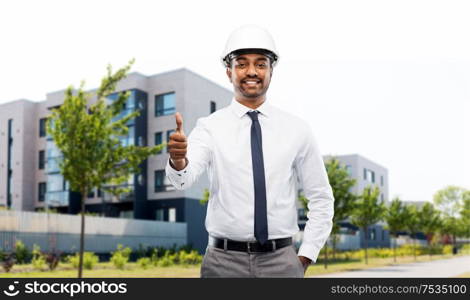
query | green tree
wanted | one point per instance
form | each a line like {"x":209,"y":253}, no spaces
{"x":465,"y":215}
{"x":368,"y":211}
{"x":412,"y":223}
{"x":341,"y":184}
{"x":205,"y":197}
{"x":429,"y":222}
{"x":88,"y":137}
{"x":395,"y":218}
{"x":449,"y":202}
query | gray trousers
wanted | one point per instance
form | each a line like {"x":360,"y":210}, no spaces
{"x":282,"y":262}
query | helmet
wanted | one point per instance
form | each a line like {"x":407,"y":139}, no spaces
{"x":250,"y":37}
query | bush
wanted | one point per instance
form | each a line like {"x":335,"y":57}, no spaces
{"x":8,"y":261}
{"x":38,"y":260}
{"x":89,"y":260}
{"x":190,"y":258}
{"x":52,"y":260}
{"x":120,"y":257}
{"x":21,"y":252}
{"x":144,"y":262}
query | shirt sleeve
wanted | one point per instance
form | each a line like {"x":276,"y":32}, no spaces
{"x":198,"y":157}
{"x":316,"y":187}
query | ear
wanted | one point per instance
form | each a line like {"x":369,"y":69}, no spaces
{"x":228,"y":71}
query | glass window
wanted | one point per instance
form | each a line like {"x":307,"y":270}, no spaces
{"x":42,"y":159}
{"x":42,"y":191}
{"x":159,"y":214}
{"x":369,"y":175}
{"x":158,"y":139}
{"x":165,"y":104}
{"x":381,"y":180}
{"x":172,"y":214}
{"x":42,"y":127}
{"x":168,"y":133}
{"x":162,"y":183}
{"x":349,"y":169}
{"x":213,"y":106}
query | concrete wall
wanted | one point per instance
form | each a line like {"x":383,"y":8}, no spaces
{"x":62,"y":232}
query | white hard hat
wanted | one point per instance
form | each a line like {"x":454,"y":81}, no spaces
{"x":250,"y":37}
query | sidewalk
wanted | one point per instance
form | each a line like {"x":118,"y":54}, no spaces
{"x":439,"y":268}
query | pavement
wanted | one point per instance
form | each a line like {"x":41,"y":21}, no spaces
{"x":451,"y":267}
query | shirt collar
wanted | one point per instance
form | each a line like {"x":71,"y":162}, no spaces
{"x":240,"y":110}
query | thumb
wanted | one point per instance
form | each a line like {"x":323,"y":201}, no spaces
{"x":179,"y":123}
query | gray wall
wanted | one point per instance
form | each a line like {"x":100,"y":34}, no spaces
{"x":62,"y":232}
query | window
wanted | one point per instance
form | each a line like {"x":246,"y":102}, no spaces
{"x":42,"y":127}
{"x":168,"y":133}
{"x":213,"y":106}
{"x":91,"y":194}
{"x":372,"y":234}
{"x":158,"y":139}
{"x":369,"y":175}
{"x":165,"y":104}
{"x":381,"y":180}
{"x":42,"y":191}
{"x":172,"y":214}
{"x":159,"y":214}
{"x":162,"y":184}
{"x":42,"y":159}
{"x":382,"y":197}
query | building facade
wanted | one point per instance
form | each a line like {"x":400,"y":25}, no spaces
{"x":29,"y":174}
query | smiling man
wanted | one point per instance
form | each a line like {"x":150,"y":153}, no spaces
{"x":254,"y":153}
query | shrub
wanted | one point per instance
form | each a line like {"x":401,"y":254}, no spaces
{"x":144,"y":262}
{"x":120,"y":257}
{"x":21,"y":252}
{"x":89,"y":260}
{"x":190,"y":258}
{"x":38,"y":260}
{"x":52,"y":260}
{"x":8,"y":261}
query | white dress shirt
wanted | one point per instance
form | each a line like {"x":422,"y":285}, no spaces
{"x":220,"y":143}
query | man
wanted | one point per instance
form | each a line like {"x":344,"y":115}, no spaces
{"x":253,"y":153}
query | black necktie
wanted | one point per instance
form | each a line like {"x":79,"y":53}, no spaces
{"x":261,"y":217}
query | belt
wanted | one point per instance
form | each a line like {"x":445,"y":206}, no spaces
{"x":250,"y":247}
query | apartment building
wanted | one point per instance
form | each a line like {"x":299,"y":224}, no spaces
{"x":29,"y":174}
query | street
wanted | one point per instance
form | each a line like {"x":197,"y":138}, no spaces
{"x":438,"y":268}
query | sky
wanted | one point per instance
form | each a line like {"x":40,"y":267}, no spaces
{"x":389,"y":80}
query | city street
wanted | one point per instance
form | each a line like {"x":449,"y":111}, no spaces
{"x":438,"y":268}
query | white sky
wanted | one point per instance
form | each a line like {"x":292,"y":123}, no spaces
{"x":389,"y":80}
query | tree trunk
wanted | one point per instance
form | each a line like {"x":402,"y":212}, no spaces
{"x":82,"y":234}
{"x":326,"y":255}
{"x":334,"y":247}
{"x":395,"y":249}
{"x":365,"y":241}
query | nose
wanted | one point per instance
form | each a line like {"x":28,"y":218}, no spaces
{"x":251,"y":71}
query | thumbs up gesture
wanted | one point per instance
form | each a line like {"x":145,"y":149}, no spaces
{"x":178,"y":145}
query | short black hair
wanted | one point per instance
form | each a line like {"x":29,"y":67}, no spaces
{"x":228,"y":59}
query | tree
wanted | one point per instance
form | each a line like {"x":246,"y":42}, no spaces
{"x":465,"y":215}
{"x":341,"y":184}
{"x":395,"y":218}
{"x":412,"y":223}
{"x":429,"y":222}
{"x":367,"y":211}
{"x":450,"y":201}
{"x":92,"y":153}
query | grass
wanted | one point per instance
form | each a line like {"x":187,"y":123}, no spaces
{"x":106,"y":270}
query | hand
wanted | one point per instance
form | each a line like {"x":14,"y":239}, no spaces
{"x":305,"y":262}
{"x":177,"y":145}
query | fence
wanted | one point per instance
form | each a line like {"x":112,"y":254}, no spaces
{"x":60,"y":232}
